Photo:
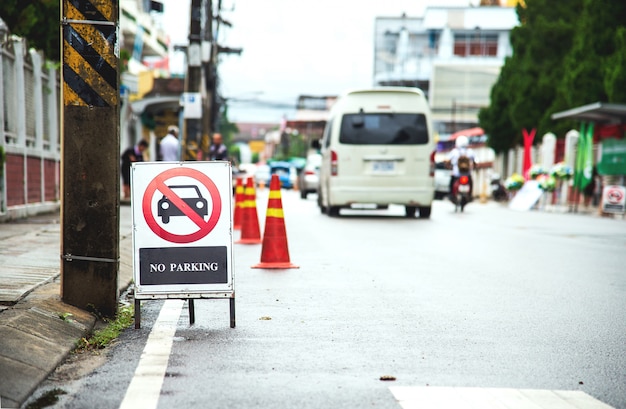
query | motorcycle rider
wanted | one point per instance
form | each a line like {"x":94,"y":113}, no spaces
{"x":461,"y":150}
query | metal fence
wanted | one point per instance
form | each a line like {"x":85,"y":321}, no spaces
{"x":29,"y":146}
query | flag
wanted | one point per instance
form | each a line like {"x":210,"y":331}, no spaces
{"x":584,"y":157}
{"x":587,"y":174}
{"x":528,"y":145}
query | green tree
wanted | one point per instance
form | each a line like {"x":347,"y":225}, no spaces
{"x":496,"y":120}
{"x":615,"y":79}
{"x":225,"y":127}
{"x":37,"y":21}
{"x":594,"y":44}
{"x":524,"y":95}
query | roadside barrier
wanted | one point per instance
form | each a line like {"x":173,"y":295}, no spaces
{"x":239,"y":199}
{"x":275,"y":252}
{"x":250,"y":230}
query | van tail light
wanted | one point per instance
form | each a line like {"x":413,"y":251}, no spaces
{"x":333,"y":163}
{"x":464,"y":180}
{"x":432,"y":164}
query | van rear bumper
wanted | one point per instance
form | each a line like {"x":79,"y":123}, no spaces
{"x":345,"y":196}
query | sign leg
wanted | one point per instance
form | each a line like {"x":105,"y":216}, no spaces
{"x":192,"y":312}
{"x":232,"y":312}
{"x":137,"y":314}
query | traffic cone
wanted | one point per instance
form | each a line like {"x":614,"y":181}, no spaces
{"x":275,"y":253}
{"x":239,"y":198}
{"x":250,"y":231}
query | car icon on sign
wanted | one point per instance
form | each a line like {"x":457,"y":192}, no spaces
{"x":190,"y":194}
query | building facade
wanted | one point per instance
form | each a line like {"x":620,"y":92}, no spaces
{"x":454,"y":54}
{"x":30,"y":110}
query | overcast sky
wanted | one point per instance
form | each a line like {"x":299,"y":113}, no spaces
{"x":294,"y":47}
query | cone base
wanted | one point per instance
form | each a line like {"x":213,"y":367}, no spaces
{"x":249,"y":241}
{"x":276,"y":265}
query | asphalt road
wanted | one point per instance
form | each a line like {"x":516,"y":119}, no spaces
{"x":490,"y":298}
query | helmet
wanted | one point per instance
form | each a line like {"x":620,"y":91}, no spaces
{"x":462,"y":141}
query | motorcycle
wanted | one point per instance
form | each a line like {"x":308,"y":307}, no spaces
{"x":498,"y":192}
{"x":461,"y":192}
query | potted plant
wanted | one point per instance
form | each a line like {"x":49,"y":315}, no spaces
{"x":547,"y":183}
{"x":561,"y":171}
{"x":514,"y":182}
{"x":536,"y":171}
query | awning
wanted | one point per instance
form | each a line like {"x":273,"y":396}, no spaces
{"x":598,"y":112}
{"x":467,"y":132}
{"x":154,"y":104}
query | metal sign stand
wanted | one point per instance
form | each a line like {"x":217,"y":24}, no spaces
{"x":190,"y":304}
{"x":182,"y":233}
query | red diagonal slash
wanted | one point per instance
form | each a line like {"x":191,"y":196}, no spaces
{"x":178,"y":202}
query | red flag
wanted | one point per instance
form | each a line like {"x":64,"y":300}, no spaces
{"x":528,"y":143}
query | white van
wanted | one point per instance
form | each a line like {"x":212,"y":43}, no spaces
{"x":378,"y":149}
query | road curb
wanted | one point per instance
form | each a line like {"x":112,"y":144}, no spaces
{"x":40,"y":331}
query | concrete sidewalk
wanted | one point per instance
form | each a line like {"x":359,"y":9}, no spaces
{"x":36,"y":331}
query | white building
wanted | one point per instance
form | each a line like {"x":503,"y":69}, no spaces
{"x":454,"y":54}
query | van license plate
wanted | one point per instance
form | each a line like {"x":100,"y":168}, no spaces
{"x":383,"y":166}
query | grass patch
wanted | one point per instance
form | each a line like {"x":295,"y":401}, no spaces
{"x":47,"y":399}
{"x":103,"y":337}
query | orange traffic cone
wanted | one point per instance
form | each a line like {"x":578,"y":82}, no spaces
{"x":275,"y":253}
{"x":250,"y":231}
{"x":239,"y":198}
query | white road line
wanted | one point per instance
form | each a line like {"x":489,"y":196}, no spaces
{"x":145,"y":388}
{"x":431,"y":397}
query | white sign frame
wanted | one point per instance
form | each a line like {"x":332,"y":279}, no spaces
{"x":614,"y":199}
{"x":179,"y":234}
{"x":527,"y":196}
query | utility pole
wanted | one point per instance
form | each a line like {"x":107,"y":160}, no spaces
{"x":193,"y":126}
{"x":210,"y":78}
{"x":90,"y":139}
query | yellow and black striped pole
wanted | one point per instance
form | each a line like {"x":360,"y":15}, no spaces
{"x":90,"y":154}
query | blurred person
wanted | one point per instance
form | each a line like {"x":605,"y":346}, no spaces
{"x":129,"y":156}
{"x":169,"y":145}
{"x":464,"y":156}
{"x":590,"y":190}
{"x":217,"y":150}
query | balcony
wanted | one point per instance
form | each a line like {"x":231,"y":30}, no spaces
{"x":133,"y":22}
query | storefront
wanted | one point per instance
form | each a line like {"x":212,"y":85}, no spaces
{"x":609,"y":132}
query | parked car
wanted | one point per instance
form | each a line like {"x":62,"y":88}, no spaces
{"x":442,"y":180}
{"x":309,"y":178}
{"x":286,"y":174}
{"x":262,"y":175}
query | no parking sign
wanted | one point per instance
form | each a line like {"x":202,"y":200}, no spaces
{"x":182,"y":235}
{"x":614,"y":199}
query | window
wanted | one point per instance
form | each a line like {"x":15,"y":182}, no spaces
{"x":384,"y":129}
{"x":326,"y":135}
{"x":475,"y":44}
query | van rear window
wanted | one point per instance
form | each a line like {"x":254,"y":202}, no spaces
{"x":384,"y":129}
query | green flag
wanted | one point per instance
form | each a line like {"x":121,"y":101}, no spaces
{"x":580,"y":148}
{"x":587,"y":160}
{"x":583,"y":171}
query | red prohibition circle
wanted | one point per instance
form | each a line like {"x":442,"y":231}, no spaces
{"x":205,"y":227}
{"x":614,"y":195}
